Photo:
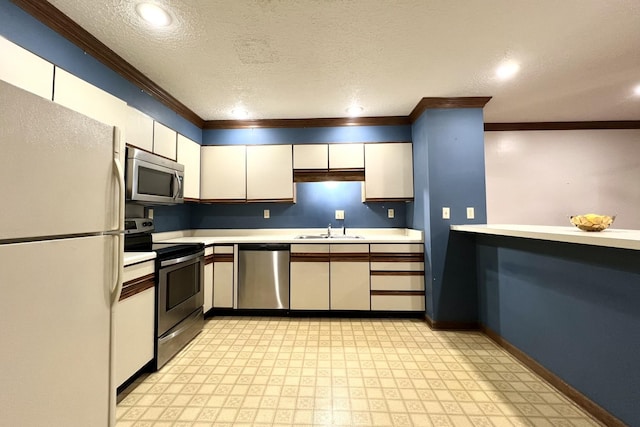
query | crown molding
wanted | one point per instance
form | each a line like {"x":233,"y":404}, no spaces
{"x":306,"y":123}
{"x":593,"y":125}
{"x":52,"y":17}
{"x":456,"y":102}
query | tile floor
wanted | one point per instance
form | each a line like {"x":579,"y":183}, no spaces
{"x":250,"y":371}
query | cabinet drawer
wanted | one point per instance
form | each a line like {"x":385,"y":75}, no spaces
{"x":396,"y":266}
{"x":309,"y":249}
{"x":397,"y":302}
{"x":397,"y":248}
{"x":397,"y":283}
{"x":135,"y":271}
{"x":223,"y":249}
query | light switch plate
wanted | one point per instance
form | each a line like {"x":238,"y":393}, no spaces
{"x":391,"y":213}
{"x":339,"y":214}
{"x":471,"y":214}
{"x":446,"y":213}
{"x":267,"y":214}
{"x":150,"y":213}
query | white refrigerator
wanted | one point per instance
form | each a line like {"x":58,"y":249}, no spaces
{"x":61,"y":220}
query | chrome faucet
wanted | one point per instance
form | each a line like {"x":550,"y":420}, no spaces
{"x":329,"y":230}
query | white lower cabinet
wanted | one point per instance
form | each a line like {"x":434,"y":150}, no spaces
{"x":208,"y":279}
{"x":134,"y":321}
{"x":223,"y":261}
{"x":349,"y":277}
{"x":309,"y":277}
{"x":397,"y":277}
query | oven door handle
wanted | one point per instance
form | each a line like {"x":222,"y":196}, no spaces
{"x":185,"y":258}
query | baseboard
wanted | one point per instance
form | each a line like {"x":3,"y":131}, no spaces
{"x":345,"y":314}
{"x":580,"y":399}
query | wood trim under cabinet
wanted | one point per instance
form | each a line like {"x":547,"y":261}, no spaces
{"x":524,"y":126}
{"x":388,"y":199}
{"x":310,"y":257}
{"x":457,"y":102}
{"x":191,"y":200}
{"x":397,"y":293}
{"x":270,"y":200}
{"x":580,"y":399}
{"x":349,"y":257}
{"x":306,"y":123}
{"x":321,"y":175}
{"x":222,"y":257}
{"x":52,"y":17}
{"x":394,"y":257}
{"x":135,"y":286}
{"x":208,"y":259}
{"x":396,"y":273}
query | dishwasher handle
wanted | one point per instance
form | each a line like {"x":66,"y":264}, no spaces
{"x":264,"y":247}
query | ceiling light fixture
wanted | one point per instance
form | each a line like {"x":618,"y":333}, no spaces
{"x":636,"y":90}
{"x":153,"y":14}
{"x":507,"y":70}
{"x":354,"y":110}
{"x":239,"y":113}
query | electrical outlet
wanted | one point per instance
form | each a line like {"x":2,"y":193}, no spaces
{"x":267,"y":214}
{"x":391,"y":213}
{"x":471,"y":214}
{"x":339,"y":214}
{"x":150,"y":213}
{"x":446,"y":213}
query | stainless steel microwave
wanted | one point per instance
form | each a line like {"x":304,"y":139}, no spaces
{"x":153,"y":180}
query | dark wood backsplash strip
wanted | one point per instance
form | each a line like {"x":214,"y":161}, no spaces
{"x":618,"y":124}
{"x":138,"y":285}
{"x":457,"y":102}
{"x":580,"y":399}
{"x":396,"y":273}
{"x":222,"y":257}
{"x":305,"y":175}
{"x":68,"y":28}
{"x":350,"y":257}
{"x":307,"y":123}
{"x":398,"y":293}
{"x":310,"y":257}
{"x":393,"y":257}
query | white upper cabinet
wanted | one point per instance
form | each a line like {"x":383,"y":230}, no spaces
{"x":223,"y":172}
{"x":25,"y":70}
{"x":346,"y":156}
{"x":189,"y":156}
{"x":139,"y":129}
{"x":270,"y":172}
{"x":311,"y":156}
{"x":164,"y":141}
{"x":388,"y":171}
{"x":78,"y":95}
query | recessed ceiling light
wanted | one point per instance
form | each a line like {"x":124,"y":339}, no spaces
{"x":507,"y":70}
{"x":239,"y":113}
{"x":354,"y":110}
{"x":153,"y":14}
{"x":636,"y":90}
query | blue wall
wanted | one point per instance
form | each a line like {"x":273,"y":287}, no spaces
{"x":24,"y":30}
{"x":572,"y":308}
{"x":448,"y":171}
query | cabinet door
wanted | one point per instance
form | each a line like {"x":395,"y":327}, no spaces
{"x":310,"y":277}
{"x":223,"y":277}
{"x":223,"y":173}
{"x":346,"y":156}
{"x":270,"y":172}
{"x":189,"y":156}
{"x":349,"y":277}
{"x":208,"y":280}
{"x":139,"y":129}
{"x":311,"y":156}
{"x":388,"y":171}
{"x":78,"y":95}
{"x":164,"y":141}
{"x":25,"y":70}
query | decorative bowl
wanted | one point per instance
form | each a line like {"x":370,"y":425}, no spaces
{"x":592,"y":222}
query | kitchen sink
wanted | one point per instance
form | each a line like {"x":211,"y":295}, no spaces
{"x":326,"y":236}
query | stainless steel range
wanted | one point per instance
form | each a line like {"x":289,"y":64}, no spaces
{"x":179,"y":292}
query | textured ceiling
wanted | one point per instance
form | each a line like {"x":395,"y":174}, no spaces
{"x":580,"y":59}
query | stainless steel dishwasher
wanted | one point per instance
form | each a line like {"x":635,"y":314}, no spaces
{"x":263,"y":276}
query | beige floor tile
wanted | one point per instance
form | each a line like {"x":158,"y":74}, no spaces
{"x":257,"y":371}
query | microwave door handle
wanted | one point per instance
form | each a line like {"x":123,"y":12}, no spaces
{"x":177,"y":176}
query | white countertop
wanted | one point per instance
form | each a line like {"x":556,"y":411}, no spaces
{"x":611,"y":237}
{"x":136,"y":257}
{"x":211,"y":237}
